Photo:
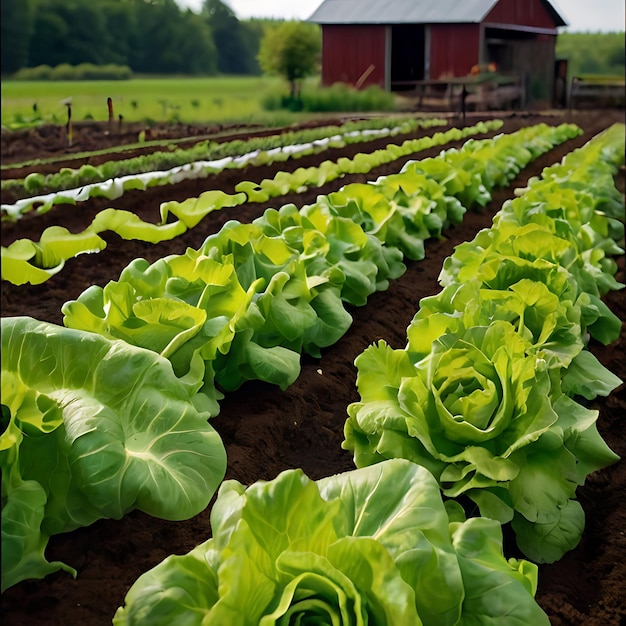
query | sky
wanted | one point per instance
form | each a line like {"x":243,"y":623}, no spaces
{"x":581,"y":15}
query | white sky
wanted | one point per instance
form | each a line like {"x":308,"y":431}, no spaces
{"x":581,"y":15}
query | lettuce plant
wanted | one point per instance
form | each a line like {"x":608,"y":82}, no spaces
{"x":243,"y":303}
{"x":93,"y":429}
{"x":591,"y":271}
{"x":335,"y":247}
{"x":487,"y":420}
{"x":500,"y":267}
{"x":482,"y":395}
{"x":550,"y":326}
{"x":370,"y":546}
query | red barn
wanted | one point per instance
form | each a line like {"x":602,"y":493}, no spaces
{"x":391,"y":42}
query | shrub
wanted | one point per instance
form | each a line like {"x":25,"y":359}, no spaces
{"x":339,"y":97}
{"x":83,"y":71}
{"x":41,"y":72}
{"x":63,"y":71}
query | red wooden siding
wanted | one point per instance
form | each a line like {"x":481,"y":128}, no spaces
{"x":521,"y":12}
{"x":454,"y":49}
{"x":348,"y":51}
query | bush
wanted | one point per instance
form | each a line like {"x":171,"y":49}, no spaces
{"x":338,"y":98}
{"x":63,"y":71}
{"x":83,"y":71}
{"x":115,"y":72}
{"x":41,"y":72}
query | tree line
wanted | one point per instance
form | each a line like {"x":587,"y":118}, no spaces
{"x":149,"y":36}
{"x":592,"y":53}
{"x":158,"y":37}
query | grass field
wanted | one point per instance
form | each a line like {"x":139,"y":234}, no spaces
{"x":142,"y":99}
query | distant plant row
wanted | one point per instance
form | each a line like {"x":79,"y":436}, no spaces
{"x":350,"y":132}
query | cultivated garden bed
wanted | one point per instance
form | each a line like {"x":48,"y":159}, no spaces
{"x":266,"y":430}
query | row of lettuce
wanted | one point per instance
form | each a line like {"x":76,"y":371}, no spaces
{"x":479,"y":405}
{"x":244,"y":306}
{"x":255,"y":296}
{"x":27,"y":261}
{"x":241,"y":307}
{"x":483,"y":393}
{"x":203,"y":159}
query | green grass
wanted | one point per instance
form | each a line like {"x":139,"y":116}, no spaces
{"x":187,"y":100}
{"x":595,"y":78}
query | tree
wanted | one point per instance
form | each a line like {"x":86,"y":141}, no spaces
{"x":47,"y":45}
{"x":592,"y":53}
{"x":196,"y":49}
{"x":233,"y":39}
{"x":17,"y":24}
{"x":291,"y":50}
{"x":72,"y":31}
{"x":150,"y":36}
{"x":170,"y":41}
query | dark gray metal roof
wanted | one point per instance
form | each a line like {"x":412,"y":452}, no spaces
{"x":409,"y":11}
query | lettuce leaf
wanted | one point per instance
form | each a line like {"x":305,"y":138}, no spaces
{"x":370,"y":546}
{"x":97,"y":428}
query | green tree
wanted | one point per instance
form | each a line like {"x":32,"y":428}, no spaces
{"x":47,"y":46}
{"x":196,"y":47}
{"x":121,"y":30}
{"x":73,"y":31}
{"x":291,"y":50}
{"x":234,"y":40}
{"x":171,"y":41}
{"x":592,"y":53}
{"x":17,"y":25}
{"x":150,"y":36}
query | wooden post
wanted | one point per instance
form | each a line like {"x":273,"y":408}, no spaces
{"x":68,"y":127}
{"x":463,"y":96}
{"x":110,"y":105}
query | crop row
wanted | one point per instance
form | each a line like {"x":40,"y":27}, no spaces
{"x":482,"y":395}
{"x":35,"y":262}
{"x":489,"y":365}
{"x":160,"y":168}
{"x":96,"y":427}
{"x":255,"y":296}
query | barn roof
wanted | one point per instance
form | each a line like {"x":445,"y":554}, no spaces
{"x":410,"y":12}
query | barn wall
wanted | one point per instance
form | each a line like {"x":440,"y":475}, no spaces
{"x":349,"y":51}
{"x":454,"y":49}
{"x":521,"y":12}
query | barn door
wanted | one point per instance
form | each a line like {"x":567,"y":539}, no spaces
{"x":408,"y":45}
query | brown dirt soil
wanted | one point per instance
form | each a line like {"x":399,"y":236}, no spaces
{"x":266,"y":431}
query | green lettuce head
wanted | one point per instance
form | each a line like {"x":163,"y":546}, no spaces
{"x":370,"y":546}
{"x":93,"y":428}
{"x":485,"y":418}
{"x":551,"y":328}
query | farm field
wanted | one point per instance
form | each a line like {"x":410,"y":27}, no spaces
{"x":266,"y":430}
{"x":139,"y":99}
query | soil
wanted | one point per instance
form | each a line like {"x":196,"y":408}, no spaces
{"x":266,"y":430}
